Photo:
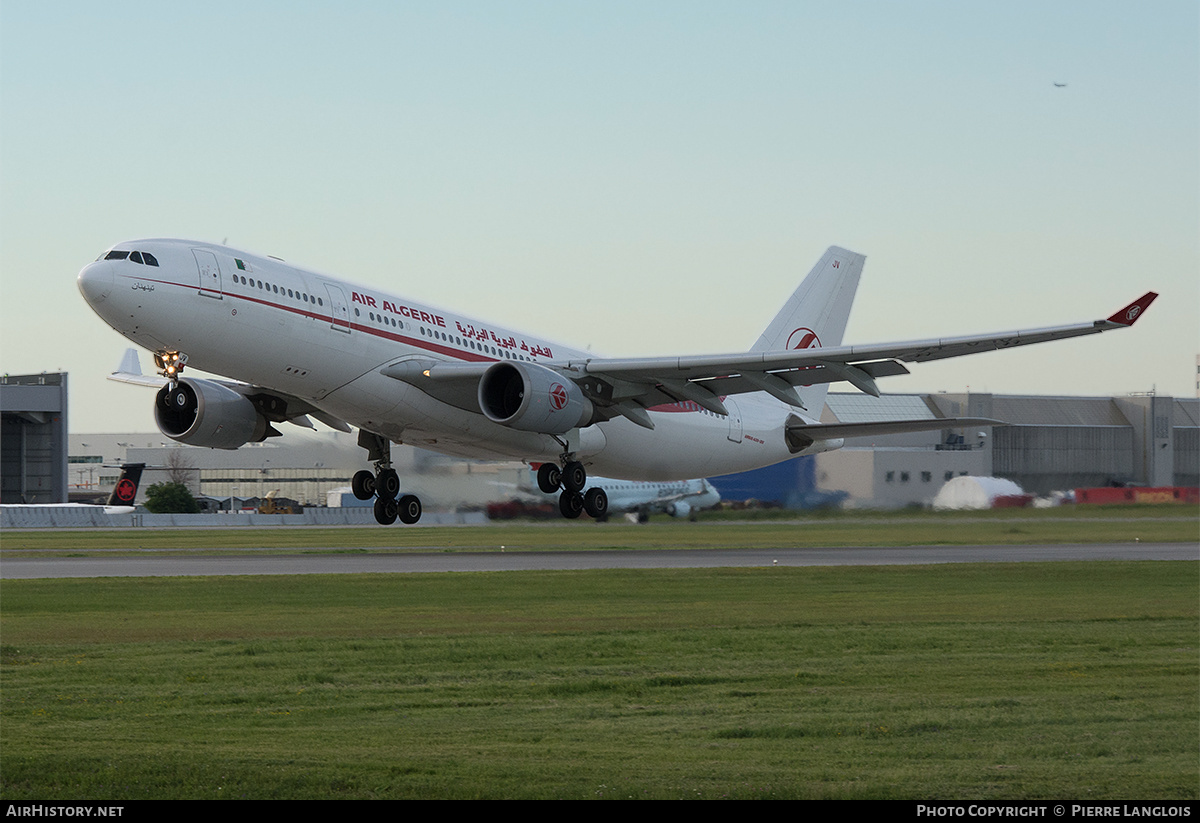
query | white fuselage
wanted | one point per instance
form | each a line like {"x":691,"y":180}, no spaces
{"x":260,"y":321}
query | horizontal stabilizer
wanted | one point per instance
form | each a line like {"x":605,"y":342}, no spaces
{"x":130,"y":371}
{"x":801,"y":435}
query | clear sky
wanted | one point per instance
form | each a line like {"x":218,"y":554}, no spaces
{"x":638,"y":177}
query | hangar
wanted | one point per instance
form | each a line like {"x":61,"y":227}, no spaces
{"x":33,"y":438}
{"x":1050,"y":443}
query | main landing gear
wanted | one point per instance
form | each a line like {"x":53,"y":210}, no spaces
{"x":384,"y":484}
{"x":572,"y":478}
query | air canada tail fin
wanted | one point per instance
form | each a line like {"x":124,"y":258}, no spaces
{"x":124,"y":493}
{"x":815,"y":315}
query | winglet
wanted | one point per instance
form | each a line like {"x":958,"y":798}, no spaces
{"x":1127,"y":315}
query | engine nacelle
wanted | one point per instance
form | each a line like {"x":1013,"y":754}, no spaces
{"x":679,"y":509}
{"x":532,"y":398}
{"x":203,"y":413}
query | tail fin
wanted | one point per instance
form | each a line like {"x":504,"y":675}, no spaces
{"x":815,"y":315}
{"x":124,"y":493}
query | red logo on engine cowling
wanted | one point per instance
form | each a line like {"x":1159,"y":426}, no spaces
{"x":803,"y":339}
{"x":126,"y":490}
{"x":558,"y":396}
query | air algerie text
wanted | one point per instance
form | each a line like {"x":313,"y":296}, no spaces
{"x":403,"y":311}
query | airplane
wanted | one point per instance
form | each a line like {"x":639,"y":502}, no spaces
{"x":298,"y":345}
{"x":120,"y":500}
{"x":678,"y":498}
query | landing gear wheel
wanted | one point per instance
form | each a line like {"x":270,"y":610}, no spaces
{"x":410,"y":509}
{"x":385,"y":511}
{"x":570,"y":504}
{"x":574,"y":476}
{"x":549,"y":477}
{"x":363,"y":485}
{"x":595,"y":503}
{"x":388,"y":484}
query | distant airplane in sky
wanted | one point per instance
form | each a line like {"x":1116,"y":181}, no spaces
{"x":303,"y":344}
{"x":1060,"y":85}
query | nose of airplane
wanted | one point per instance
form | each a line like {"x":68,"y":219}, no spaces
{"x":96,"y":282}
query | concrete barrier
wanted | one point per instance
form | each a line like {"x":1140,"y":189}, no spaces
{"x":89,"y":517}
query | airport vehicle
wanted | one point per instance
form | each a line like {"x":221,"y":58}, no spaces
{"x":305,"y":345}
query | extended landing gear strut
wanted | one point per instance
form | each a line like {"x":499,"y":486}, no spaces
{"x":572,"y":478}
{"x":170,"y":364}
{"x":384,"y":484}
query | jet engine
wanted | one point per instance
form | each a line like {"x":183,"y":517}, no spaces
{"x":532,"y":398}
{"x":679,"y":509}
{"x":203,"y":413}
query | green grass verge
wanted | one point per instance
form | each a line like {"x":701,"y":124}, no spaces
{"x":1154,"y":524}
{"x":1047,"y":680}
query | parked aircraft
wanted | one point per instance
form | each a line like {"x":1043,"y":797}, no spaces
{"x":120,"y":500}
{"x":678,"y":498}
{"x":304,"y":345}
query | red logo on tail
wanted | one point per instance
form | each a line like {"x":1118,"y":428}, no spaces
{"x":803,"y":339}
{"x":126,"y":490}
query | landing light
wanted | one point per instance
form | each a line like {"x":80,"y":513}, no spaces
{"x":170,"y":363}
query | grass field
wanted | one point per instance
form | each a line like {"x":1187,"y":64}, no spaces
{"x":1032,"y":680}
{"x":1065,"y":524}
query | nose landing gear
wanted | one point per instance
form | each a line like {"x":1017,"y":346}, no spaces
{"x":384,"y":484}
{"x":170,"y":364}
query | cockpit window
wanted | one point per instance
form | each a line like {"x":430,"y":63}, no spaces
{"x":143,"y":257}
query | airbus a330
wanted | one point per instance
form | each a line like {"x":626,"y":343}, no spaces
{"x":298,"y":345}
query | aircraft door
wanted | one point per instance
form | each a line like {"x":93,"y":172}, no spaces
{"x":210,"y":273}
{"x":338,"y":308}
{"x":735,"y":420}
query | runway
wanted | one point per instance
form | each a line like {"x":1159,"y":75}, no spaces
{"x":389,"y":562}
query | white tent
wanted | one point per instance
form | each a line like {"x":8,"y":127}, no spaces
{"x":973,"y":492}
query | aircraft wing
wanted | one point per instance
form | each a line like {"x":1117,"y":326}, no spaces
{"x":275,"y":406}
{"x":629,"y":386}
{"x":704,"y":379}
